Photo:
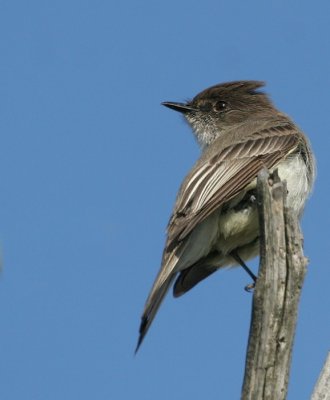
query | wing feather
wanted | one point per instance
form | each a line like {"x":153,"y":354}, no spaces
{"x":219,"y":178}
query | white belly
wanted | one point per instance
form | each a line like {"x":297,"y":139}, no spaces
{"x":294,"y":172}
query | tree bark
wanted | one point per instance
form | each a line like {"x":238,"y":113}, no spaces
{"x":276,"y":296}
{"x":322,"y":387}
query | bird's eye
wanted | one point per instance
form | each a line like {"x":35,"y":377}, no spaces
{"x":220,"y":106}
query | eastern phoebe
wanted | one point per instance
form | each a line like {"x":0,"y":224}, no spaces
{"x":215,"y":222}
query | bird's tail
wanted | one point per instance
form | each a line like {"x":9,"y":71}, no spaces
{"x":159,"y":289}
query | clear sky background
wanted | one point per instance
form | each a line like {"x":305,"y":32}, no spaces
{"x":90,"y":166}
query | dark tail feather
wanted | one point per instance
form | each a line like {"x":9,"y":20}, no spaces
{"x":151,"y":309}
{"x":189,"y":278}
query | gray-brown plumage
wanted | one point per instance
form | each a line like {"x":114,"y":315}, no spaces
{"x":214,"y":221}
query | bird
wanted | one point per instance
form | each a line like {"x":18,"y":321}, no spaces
{"x":214,"y":223}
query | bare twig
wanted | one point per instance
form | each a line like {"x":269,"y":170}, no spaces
{"x":322,"y":387}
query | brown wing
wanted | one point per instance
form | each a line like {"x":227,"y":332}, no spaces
{"x":218,"y":179}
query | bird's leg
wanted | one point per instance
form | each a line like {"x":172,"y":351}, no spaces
{"x":238,"y":259}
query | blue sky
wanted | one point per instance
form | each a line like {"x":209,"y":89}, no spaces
{"x":90,"y":165}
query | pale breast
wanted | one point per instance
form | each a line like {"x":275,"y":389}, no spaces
{"x":294,"y":171}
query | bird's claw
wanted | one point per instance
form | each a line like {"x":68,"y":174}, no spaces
{"x":250,"y":287}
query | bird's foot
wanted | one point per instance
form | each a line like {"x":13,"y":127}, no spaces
{"x":250,"y":287}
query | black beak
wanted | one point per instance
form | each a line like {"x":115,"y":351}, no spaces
{"x":181,"y":107}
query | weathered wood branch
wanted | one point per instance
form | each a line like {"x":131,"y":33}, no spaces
{"x":276,"y":295}
{"x":322,"y":387}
